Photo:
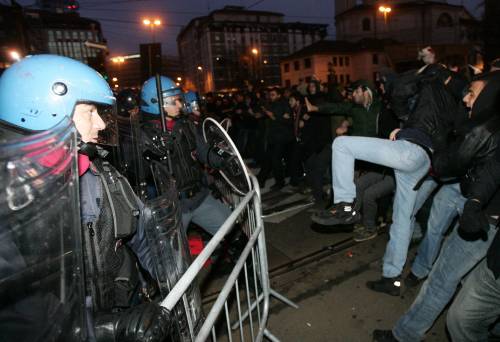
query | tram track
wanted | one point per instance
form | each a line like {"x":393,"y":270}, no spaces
{"x":300,"y":262}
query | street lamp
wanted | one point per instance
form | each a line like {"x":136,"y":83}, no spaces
{"x":385,"y":10}
{"x":152,"y":24}
{"x":114,"y":79}
{"x":179,"y":79}
{"x":15,"y":55}
{"x":255,"y":51}
{"x":200,"y":67}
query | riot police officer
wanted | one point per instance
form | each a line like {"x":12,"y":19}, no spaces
{"x":181,"y":153}
{"x":36,"y":94}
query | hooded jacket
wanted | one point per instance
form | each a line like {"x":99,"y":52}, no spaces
{"x":476,"y":140}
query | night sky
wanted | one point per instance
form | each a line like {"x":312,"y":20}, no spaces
{"x":121,"y":19}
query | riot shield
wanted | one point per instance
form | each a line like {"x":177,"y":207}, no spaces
{"x":41,"y":280}
{"x":130,"y":147}
{"x":170,"y":250}
{"x":235,"y":172}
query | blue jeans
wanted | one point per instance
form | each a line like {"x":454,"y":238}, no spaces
{"x":456,"y":259}
{"x":410,"y":163}
{"x":447,"y":204}
{"x":476,"y":306}
{"x":209,"y":215}
{"x":425,"y":190}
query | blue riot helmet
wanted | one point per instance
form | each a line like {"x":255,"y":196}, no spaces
{"x":192,"y":102}
{"x":173,"y":100}
{"x":39,"y":91}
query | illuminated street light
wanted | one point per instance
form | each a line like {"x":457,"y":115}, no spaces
{"x":179,"y":78}
{"x":255,"y":51}
{"x":114,"y":79}
{"x":177,"y":84}
{"x":116,"y":85}
{"x":151,"y":23}
{"x":118,"y":59}
{"x":385,"y":10}
{"x":15,"y":55}
{"x":200,"y":67}
{"x":265,"y":61}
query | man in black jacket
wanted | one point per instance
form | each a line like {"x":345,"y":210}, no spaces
{"x":477,"y":306}
{"x":279,"y":137}
{"x":475,"y":144}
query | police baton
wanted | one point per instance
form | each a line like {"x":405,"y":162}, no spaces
{"x":159,"y":94}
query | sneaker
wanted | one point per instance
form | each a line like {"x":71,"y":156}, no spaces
{"x":358,"y":227}
{"x":364,"y":234}
{"x":341,"y":213}
{"x":383,"y":336}
{"x":412,"y":281}
{"x":390,"y":286}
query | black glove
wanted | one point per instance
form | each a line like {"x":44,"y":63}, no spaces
{"x":148,"y":322}
{"x":474,"y":223}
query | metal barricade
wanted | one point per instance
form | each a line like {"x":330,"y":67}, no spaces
{"x":246,"y":293}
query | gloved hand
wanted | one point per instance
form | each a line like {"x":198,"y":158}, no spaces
{"x":219,"y":157}
{"x":474,"y":223}
{"x":148,"y":322}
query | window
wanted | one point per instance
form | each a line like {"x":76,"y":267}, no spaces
{"x":366,"y":24}
{"x":287,"y":67}
{"x":342,"y":79}
{"x":375,"y":58}
{"x":296,"y":65}
{"x":348,"y":78}
{"x":334,"y":61}
{"x":346,"y":61}
{"x":307,"y":63}
{"x":341,"y":61}
{"x":288,"y":84}
{"x":445,"y":20}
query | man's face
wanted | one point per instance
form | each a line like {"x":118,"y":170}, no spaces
{"x":88,"y":122}
{"x":312,"y":88}
{"x":473,"y":93}
{"x":292,"y":101}
{"x":172,"y":105}
{"x":358,"y":96}
{"x":273,"y":95}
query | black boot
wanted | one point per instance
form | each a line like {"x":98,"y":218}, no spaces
{"x":390,"y":286}
{"x":383,"y":336}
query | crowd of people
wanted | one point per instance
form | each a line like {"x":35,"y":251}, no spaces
{"x":429,"y":132}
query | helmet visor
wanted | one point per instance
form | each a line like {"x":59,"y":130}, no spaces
{"x":174,"y":104}
{"x":97,"y":123}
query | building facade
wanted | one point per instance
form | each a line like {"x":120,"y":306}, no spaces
{"x":125,"y":71}
{"x":335,"y":61}
{"x":412,"y":22}
{"x":233,"y":46}
{"x":33,"y":31}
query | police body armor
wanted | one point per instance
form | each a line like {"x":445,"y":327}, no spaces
{"x":41,"y":267}
{"x":175,"y":151}
{"x":161,"y":219}
{"x":110,"y":215}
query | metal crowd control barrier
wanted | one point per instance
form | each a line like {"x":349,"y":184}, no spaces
{"x":246,"y":293}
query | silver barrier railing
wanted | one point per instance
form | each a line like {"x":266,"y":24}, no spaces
{"x":246,"y":293}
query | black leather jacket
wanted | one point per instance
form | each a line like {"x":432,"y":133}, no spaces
{"x":469,"y":151}
{"x":436,"y":113}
